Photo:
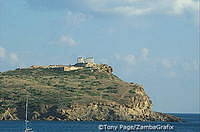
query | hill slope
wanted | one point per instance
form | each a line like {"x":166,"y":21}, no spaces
{"x":85,"y":94}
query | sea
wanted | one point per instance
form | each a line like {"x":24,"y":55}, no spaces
{"x":190,"y":123}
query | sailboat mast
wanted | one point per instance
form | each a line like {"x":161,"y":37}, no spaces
{"x":27,"y":129}
{"x":27,"y":109}
{"x":26,"y":120}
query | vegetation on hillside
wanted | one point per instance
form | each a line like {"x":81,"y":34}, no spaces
{"x":60,"y":88}
{"x":84,"y":94}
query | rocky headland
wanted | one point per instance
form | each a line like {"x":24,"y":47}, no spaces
{"x":87,"y":93}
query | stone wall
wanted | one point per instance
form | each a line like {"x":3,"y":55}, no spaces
{"x":57,"y":67}
{"x":71,"y":68}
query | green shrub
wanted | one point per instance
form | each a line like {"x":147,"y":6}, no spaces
{"x":106,"y":96}
{"x":93,"y":93}
{"x":132,"y":91}
{"x":86,"y":88}
{"x":82,"y":77}
{"x":111,"y":91}
{"x":95,"y":83}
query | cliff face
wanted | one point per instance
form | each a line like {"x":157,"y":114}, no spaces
{"x":92,"y":93}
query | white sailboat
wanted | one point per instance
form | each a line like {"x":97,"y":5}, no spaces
{"x":27,"y":128}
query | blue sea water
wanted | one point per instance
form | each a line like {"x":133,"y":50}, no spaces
{"x":191,"y":123}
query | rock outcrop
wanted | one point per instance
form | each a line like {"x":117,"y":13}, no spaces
{"x":101,"y":67}
{"x":111,"y":112}
{"x":9,"y":114}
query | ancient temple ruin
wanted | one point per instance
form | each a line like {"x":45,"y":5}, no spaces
{"x":85,"y":60}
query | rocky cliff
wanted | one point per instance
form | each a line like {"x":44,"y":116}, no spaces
{"x":92,"y":93}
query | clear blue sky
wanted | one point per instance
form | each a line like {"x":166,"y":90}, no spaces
{"x":154,"y":42}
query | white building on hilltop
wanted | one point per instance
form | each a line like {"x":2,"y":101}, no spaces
{"x":80,"y":60}
{"x":85,"y":60}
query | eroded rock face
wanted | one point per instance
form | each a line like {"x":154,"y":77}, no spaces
{"x":107,"y":111}
{"x":97,"y":111}
{"x":9,"y":114}
{"x":112,"y":112}
{"x":138,"y":109}
{"x":100,"y":67}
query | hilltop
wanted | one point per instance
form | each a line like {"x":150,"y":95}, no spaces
{"x":87,"y":93}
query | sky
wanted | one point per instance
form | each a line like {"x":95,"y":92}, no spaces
{"x":154,"y":43}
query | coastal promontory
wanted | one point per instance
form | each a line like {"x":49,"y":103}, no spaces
{"x":85,"y":91}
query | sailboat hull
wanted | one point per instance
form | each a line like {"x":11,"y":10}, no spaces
{"x":28,"y":130}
